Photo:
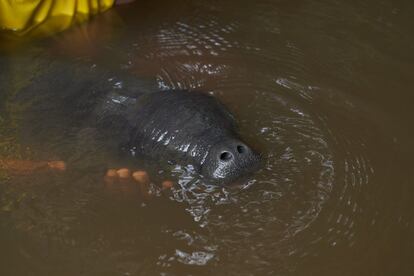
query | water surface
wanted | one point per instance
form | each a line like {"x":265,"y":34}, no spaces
{"x":322,"y":88}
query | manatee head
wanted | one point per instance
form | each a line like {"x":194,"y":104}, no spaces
{"x":186,"y":127}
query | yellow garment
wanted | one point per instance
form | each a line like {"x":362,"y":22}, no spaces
{"x":47,"y":16}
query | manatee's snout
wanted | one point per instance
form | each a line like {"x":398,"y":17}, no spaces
{"x":229,"y":160}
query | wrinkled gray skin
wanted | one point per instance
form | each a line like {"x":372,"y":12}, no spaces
{"x":182,"y":127}
{"x":178,"y":127}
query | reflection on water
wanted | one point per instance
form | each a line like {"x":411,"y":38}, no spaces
{"x":322,"y":88}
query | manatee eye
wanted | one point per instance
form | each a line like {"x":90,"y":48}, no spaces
{"x":226,"y":156}
{"x":241,"y":149}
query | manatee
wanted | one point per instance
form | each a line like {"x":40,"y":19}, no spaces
{"x":175,"y":126}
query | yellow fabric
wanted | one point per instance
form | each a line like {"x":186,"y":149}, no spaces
{"x":48,"y":16}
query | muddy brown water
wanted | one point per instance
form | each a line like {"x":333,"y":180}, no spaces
{"x":323,"y":88}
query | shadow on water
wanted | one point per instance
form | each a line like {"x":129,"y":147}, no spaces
{"x":322,"y":88}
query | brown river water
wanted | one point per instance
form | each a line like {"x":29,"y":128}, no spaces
{"x":323,"y":88}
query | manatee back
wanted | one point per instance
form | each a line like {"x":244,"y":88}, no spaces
{"x":53,"y":101}
{"x":68,"y":94}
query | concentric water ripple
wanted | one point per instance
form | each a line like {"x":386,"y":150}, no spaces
{"x":325,"y":192}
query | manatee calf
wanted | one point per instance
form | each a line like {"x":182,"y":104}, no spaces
{"x":176,"y":126}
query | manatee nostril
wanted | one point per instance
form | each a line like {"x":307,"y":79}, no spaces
{"x":226,"y":156}
{"x":241,"y":149}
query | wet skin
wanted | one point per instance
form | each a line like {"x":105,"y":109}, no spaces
{"x":181,"y":127}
